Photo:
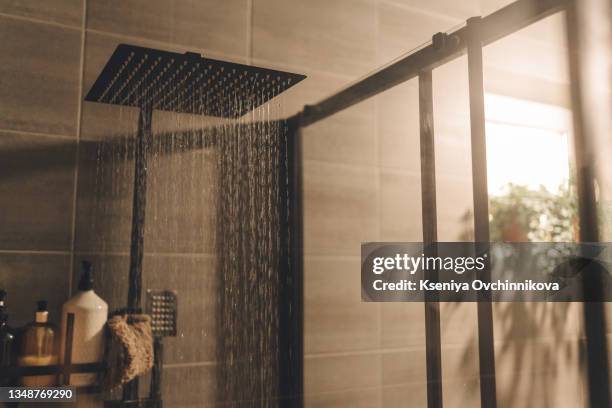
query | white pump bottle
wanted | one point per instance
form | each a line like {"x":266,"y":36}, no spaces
{"x":90,"y":315}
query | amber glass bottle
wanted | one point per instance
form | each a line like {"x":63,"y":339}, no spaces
{"x":38,"y":348}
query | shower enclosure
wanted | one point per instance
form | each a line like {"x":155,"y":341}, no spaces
{"x":204,"y":173}
{"x":470,"y":39}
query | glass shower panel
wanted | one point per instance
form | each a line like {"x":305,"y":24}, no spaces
{"x":403,"y":324}
{"x":361,"y":183}
{"x":458,"y":321}
{"x":341,"y":334}
{"x":532,"y":198}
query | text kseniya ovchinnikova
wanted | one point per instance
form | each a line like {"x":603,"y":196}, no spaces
{"x":458,"y":265}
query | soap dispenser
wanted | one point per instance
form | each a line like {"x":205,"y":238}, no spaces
{"x":38,"y":348}
{"x":90,"y":315}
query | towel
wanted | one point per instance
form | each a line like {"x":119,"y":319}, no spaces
{"x":130,"y":348}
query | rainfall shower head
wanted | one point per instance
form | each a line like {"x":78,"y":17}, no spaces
{"x":186,"y":83}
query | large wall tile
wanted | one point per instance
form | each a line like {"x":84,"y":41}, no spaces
{"x":400,"y":206}
{"x":332,"y":294}
{"x":218,"y":26}
{"x":454,"y":206}
{"x":364,"y":398}
{"x":27,"y":279}
{"x":347,"y":137}
{"x":190,"y":386}
{"x":69,"y":12}
{"x":181,"y":203}
{"x":398,"y":127}
{"x":104,"y":198}
{"x":331,"y":36}
{"x":36,"y":192}
{"x":458,"y":323}
{"x":404,"y":367}
{"x":453,"y":154}
{"x":403,"y":324}
{"x":460,"y":10}
{"x":40,"y":78}
{"x":340,"y":208}
{"x":400,"y":396}
{"x":460,"y":362}
{"x":339,"y":373}
{"x":462,"y":393}
{"x":402,"y":29}
{"x":460,"y":375}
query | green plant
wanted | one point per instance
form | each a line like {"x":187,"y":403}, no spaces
{"x":523,"y":214}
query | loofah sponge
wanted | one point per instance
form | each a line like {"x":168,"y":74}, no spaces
{"x":130,"y":348}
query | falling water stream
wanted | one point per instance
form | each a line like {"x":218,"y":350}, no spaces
{"x":214,"y":204}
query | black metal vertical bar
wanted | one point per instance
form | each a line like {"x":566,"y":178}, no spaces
{"x":139,"y":203}
{"x":67,"y":364}
{"x":157,"y":371}
{"x":433,"y":348}
{"x":598,"y":375}
{"x":291,"y":293}
{"x":486,"y":349}
{"x":284,"y":269}
{"x":130,"y":391}
{"x":296,"y":215}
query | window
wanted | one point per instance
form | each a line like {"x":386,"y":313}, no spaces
{"x":528,"y":170}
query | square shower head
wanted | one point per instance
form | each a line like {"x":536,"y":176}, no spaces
{"x":186,"y":83}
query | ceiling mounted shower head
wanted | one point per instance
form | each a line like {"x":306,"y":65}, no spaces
{"x":186,"y":83}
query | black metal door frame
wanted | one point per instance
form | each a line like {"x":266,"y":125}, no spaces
{"x":470,"y":39}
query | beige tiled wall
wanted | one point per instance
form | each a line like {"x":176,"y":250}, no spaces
{"x":361,"y":181}
{"x":39,"y":116}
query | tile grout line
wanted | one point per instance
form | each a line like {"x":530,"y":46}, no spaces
{"x":38,"y":21}
{"x":192,"y":364}
{"x":344,"y":165}
{"x":77,"y":153}
{"x":33,"y":252}
{"x":333,"y":257}
{"x":249,"y":31}
{"x":38,"y":134}
{"x":203,"y":255}
{"x":417,"y":348}
{"x":424,"y":11}
{"x":208,"y":53}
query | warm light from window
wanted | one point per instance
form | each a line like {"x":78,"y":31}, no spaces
{"x":527,"y":144}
